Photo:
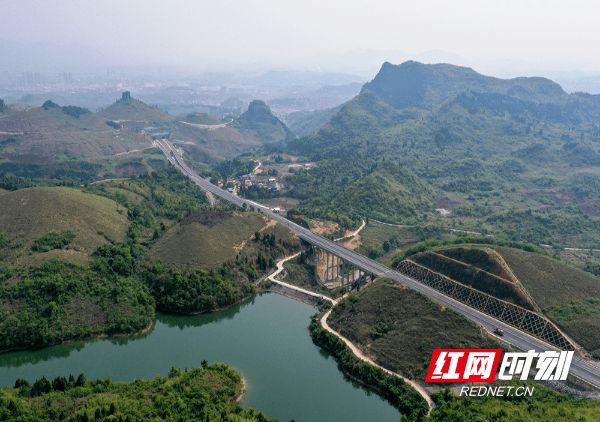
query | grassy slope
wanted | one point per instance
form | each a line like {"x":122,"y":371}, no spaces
{"x":51,"y":144}
{"x":418,"y":326}
{"x":501,"y":287}
{"x":31,"y":213}
{"x":195,"y":244}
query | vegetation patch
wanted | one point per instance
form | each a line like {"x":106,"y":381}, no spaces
{"x":580,"y":319}
{"x":399,"y":328}
{"x":206,"y":393}
{"x":343,"y":190}
{"x":549,"y":281}
{"x":379,"y":239}
{"x":199,"y":290}
{"x":543,"y":405}
{"x":52,"y":240}
{"x":61,"y":301}
{"x":202,"y":119}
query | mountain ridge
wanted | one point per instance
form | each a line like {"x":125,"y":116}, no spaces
{"x":413,"y":84}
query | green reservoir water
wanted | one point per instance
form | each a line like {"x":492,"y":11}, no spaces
{"x":265,"y":339}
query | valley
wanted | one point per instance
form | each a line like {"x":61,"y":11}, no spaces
{"x":486,"y":182}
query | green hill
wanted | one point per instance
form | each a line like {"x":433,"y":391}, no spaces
{"x":129,"y":109}
{"x":520,"y":160}
{"x":212,"y":143}
{"x":29,"y":214}
{"x":413,"y":84}
{"x":259,"y":121}
{"x":199,"y":393}
{"x":206,"y":240}
{"x":209,"y":239}
{"x":384,"y":191}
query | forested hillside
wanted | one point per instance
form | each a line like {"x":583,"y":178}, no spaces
{"x":306,"y":122}
{"x":516,"y":158}
{"x":259,"y":121}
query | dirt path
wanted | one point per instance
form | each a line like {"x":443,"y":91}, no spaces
{"x":135,"y":121}
{"x":135,"y":150}
{"x":362,"y":357}
{"x":109,"y":180}
{"x":352,"y":347}
{"x":291,"y":286}
{"x":353,"y":234}
{"x":270,"y":223}
{"x":209,"y":127}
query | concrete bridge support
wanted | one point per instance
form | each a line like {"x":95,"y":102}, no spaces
{"x":338,"y":271}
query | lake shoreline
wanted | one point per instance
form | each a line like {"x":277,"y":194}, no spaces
{"x":89,"y":338}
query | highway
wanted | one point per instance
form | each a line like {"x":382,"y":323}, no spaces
{"x":583,"y":368}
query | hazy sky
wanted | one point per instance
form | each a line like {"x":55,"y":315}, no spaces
{"x":192,"y":32}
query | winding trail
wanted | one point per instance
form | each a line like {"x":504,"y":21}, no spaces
{"x":352,"y":234}
{"x":351,"y":345}
{"x":362,"y":357}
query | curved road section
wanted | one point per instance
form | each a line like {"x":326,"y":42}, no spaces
{"x":582,"y":368}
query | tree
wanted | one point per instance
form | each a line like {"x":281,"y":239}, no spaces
{"x":386,"y":246}
{"x":2,"y":105}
